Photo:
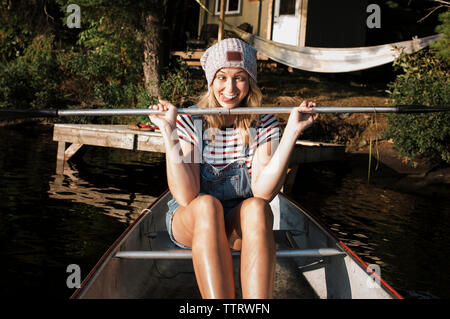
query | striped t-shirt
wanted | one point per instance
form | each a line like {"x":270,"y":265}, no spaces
{"x":227,"y":146}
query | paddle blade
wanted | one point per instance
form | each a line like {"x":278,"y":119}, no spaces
{"x":421,"y":109}
{"x":11,"y":114}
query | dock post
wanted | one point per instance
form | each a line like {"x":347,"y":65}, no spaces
{"x":60,"y":157}
{"x":64,"y":155}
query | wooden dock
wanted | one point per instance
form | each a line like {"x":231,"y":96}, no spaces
{"x":120,"y":136}
{"x":116,"y":136}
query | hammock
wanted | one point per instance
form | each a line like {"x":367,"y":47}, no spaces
{"x":334,"y":60}
{"x":330,"y":60}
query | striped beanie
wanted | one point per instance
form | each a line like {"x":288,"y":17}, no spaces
{"x":231,"y":52}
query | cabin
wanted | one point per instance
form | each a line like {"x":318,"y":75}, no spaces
{"x":312,"y":23}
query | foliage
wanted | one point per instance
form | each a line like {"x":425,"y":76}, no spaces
{"x":105,"y":68}
{"x":425,"y":80}
{"x":106,"y":64}
{"x":17,"y":26}
{"x":442,"y":46}
{"x":45,"y":64}
{"x":177,"y":84}
{"x":32,"y":79}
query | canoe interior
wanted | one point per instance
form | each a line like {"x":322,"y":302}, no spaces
{"x":341,"y":277}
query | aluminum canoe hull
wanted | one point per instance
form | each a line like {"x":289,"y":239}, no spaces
{"x":343,"y":276}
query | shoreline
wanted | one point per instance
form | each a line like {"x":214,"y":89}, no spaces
{"x":397,"y":173}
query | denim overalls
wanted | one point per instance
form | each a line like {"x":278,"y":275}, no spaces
{"x":230,"y":184}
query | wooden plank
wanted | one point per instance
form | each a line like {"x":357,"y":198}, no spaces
{"x":193,"y":56}
{"x":60,"y":157}
{"x":117,"y":136}
{"x":222,"y":18}
{"x":269,"y":20}
{"x":303,"y":21}
{"x":71,"y":150}
{"x":189,"y":55}
{"x":94,"y":136}
{"x":150,"y":143}
{"x":261,"y":57}
{"x":193,"y":63}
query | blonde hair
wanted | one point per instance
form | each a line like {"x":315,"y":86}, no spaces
{"x":241,"y":122}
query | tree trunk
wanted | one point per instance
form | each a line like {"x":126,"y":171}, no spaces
{"x":151,"y":45}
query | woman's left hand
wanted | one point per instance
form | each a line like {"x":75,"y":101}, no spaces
{"x":301,"y":118}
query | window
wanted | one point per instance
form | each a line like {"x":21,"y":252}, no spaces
{"x":287,"y":7}
{"x":231,"y":6}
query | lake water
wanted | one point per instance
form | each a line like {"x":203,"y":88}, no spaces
{"x":48,"y":222}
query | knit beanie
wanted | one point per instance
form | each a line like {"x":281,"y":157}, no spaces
{"x":231,"y":52}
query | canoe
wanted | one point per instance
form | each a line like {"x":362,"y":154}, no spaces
{"x":311,"y":262}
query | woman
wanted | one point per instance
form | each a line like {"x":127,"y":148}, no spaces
{"x":222,"y":201}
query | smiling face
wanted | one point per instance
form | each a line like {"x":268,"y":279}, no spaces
{"x":230,"y":86}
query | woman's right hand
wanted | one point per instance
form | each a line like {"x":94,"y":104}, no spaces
{"x":166,"y":120}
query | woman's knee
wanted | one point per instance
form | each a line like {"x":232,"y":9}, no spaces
{"x":256,"y":213}
{"x":207,"y":208}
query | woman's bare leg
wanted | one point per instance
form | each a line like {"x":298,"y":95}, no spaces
{"x":201,"y":225}
{"x":249,"y":229}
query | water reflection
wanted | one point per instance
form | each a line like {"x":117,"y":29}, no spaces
{"x":125,"y":207}
{"x":405,"y":233}
{"x":48,"y":221}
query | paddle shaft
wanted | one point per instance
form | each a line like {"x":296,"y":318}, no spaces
{"x":12,"y":113}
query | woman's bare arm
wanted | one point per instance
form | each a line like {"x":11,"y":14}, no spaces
{"x":271,"y":161}
{"x":183,"y":174}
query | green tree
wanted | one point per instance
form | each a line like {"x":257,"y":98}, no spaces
{"x":442,"y":46}
{"x":20,"y":22}
{"x":108,"y":28}
{"x":425,"y":81}
{"x":32,"y":79}
{"x":113,"y":60}
{"x":29,"y":71}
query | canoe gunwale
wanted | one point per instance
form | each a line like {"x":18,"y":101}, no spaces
{"x":369,"y":270}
